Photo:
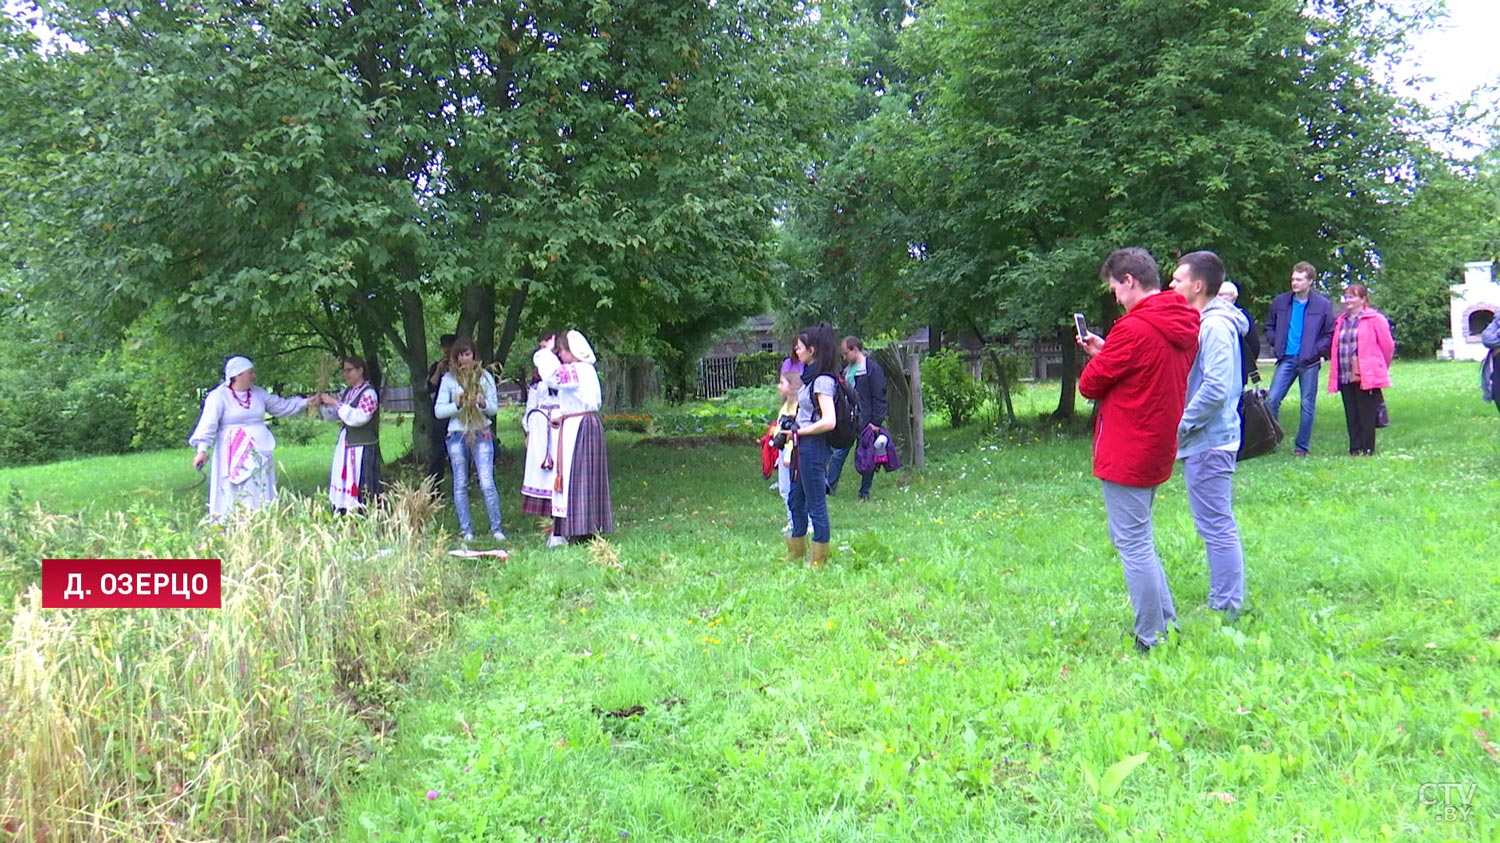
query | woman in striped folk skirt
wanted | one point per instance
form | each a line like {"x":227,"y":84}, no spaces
{"x":581,"y":504}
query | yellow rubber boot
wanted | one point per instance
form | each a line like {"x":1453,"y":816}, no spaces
{"x":796,"y":548}
{"x":818,"y":554}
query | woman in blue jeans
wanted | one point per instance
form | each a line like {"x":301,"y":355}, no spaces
{"x":817,"y":350}
{"x":470,"y":436}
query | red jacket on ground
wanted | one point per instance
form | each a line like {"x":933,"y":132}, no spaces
{"x":1140,"y":382}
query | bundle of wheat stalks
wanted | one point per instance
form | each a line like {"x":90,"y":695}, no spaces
{"x":468,"y":375}
{"x":323,"y":375}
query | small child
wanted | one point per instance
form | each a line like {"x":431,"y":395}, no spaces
{"x":778,"y":443}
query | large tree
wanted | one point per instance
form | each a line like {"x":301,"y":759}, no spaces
{"x":610,"y":166}
{"x":1041,"y":134}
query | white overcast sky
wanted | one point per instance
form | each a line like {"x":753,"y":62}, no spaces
{"x":1461,"y":53}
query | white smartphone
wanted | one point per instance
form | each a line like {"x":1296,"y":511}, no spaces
{"x":1081,"y":325}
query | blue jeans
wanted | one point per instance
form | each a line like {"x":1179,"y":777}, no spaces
{"x":836,"y":468}
{"x":482,"y":451}
{"x":1287,"y":370}
{"x":808,"y":500}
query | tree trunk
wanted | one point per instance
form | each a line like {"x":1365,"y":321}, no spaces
{"x":512,"y":321}
{"x":369,"y":342}
{"x":476,"y":319}
{"x":637,"y":381}
{"x":1067,"y":398}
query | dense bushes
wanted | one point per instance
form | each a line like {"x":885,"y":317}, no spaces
{"x":60,"y":402}
{"x":948,"y":386}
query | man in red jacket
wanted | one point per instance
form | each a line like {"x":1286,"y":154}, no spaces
{"x":1139,"y":379}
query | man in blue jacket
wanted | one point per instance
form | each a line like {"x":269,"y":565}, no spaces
{"x":868,"y":380}
{"x":1299,"y":330}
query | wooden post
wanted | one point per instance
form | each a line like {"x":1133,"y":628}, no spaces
{"x":918,"y":436}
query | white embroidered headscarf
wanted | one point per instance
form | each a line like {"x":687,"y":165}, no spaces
{"x":236,"y":366}
{"x":581,"y":348}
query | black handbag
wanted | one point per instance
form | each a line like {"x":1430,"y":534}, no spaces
{"x":1259,"y":431}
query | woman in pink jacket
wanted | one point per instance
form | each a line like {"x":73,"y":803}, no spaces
{"x":1360,"y":366}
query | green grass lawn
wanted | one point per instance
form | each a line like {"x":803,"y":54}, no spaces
{"x":961,"y":670}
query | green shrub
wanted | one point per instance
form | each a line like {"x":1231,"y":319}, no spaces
{"x":713,"y":420}
{"x":752,"y":398}
{"x":758,"y":369}
{"x":300,"y":429}
{"x":948,"y":386}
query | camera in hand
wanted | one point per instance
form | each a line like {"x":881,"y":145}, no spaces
{"x":779,"y":440}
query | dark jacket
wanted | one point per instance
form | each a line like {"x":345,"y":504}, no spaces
{"x":1251,"y":348}
{"x":871,"y":390}
{"x":1317,"y":327}
{"x":1489,"y":373}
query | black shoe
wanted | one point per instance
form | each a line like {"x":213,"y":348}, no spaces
{"x":1142,"y":647}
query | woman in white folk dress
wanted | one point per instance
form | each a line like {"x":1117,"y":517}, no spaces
{"x":581,"y":505}
{"x":354,"y":480}
{"x":541,"y":401}
{"x":233,"y":426}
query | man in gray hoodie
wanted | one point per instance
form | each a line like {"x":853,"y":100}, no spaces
{"x":1209,"y":434}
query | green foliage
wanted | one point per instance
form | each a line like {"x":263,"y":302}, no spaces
{"x":711,"y":420}
{"x":339,"y":169}
{"x":1452,"y":217}
{"x":1258,"y":130}
{"x":300,"y":429}
{"x":948,"y":386}
{"x":64,"y":399}
{"x":753,"y":398}
{"x":758,"y":369}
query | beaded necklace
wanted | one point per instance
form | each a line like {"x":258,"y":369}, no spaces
{"x":244,"y":404}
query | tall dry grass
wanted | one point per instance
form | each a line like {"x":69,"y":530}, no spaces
{"x":235,"y":724}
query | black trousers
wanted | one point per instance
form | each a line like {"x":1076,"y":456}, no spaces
{"x":1360,"y":407}
{"x":437,"y":459}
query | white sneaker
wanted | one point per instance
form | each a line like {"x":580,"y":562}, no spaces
{"x":466,"y":537}
{"x":557,"y":541}
{"x":499,"y":535}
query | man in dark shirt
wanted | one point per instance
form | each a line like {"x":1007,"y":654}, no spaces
{"x":437,"y":457}
{"x":868,"y":380}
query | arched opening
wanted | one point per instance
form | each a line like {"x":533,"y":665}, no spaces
{"x":1476,"y":320}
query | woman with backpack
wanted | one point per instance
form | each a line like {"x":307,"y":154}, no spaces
{"x":817,"y":350}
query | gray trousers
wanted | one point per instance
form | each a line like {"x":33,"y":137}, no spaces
{"x":1129,"y":512}
{"x":1210,"y":489}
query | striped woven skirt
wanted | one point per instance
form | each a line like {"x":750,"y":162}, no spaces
{"x":590,"y":509}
